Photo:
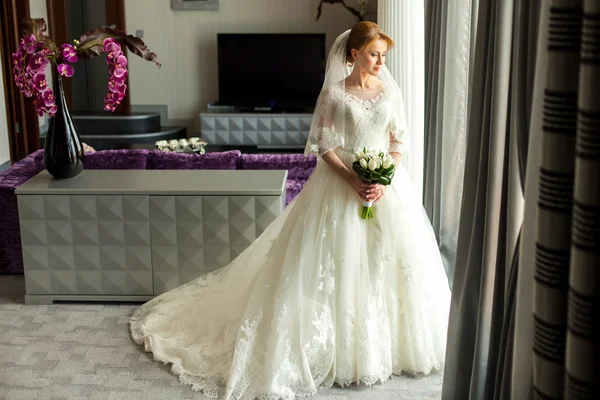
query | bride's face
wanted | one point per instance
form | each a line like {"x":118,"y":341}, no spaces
{"x":372,"y":58}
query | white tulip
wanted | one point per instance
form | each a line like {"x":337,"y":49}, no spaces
{"x":389,"y":160}
{"x":363,"y":163}
{"x":372,"y":164}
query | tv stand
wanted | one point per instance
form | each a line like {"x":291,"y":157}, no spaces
{"x":262,"y":109}
{"x":271,"y":110}
{"x":268,"y":129}
{"x":256,"y":110}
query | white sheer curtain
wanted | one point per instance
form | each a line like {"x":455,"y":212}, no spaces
{"x":404,"y":21}
{"x":460,"y":40}
{"x":451,"y":27}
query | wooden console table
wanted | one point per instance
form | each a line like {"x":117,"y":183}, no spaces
{"x":129,"y":235}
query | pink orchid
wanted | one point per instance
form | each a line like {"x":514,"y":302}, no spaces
{"x":36,"y":50}
{"x":37,"y":61}
{"x":65,"y":70}
{"x":69,"y":53}
{"x":39,"y":81}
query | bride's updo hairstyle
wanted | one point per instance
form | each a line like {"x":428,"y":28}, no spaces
{"x":362,"y":35}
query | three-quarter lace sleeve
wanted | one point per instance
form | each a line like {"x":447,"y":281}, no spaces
{"x":399,"y":137}
{"x":326,"y":134}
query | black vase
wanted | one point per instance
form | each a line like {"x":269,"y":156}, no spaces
{"x":63,"y":152}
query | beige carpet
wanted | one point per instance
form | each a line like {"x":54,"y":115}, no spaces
{"x":84,"y":351}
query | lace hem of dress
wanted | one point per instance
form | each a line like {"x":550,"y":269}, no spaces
{"x":214,"y":387}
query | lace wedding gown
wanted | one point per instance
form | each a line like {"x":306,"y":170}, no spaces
{"x":322,"y":296}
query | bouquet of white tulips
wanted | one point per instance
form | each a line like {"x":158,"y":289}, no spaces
{"x":373,"y":167}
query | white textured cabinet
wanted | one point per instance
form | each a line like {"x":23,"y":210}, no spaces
{"x":131,"y":235}
{"x":255,"y":129}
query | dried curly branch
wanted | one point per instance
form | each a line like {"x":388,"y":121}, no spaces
{"x":352,"y":10}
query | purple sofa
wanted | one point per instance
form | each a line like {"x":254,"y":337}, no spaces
{"x":298,"y":166}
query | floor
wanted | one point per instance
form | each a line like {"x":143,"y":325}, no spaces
{"x":84,"y":351}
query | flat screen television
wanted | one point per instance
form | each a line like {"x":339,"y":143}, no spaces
{"x":283,"y":71}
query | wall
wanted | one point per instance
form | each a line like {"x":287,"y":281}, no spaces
{"x":4,"y":144}
{"x":37,"y":9}
{"x":185,"y":42}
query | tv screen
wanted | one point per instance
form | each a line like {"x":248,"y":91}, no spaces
{"x":281,"y":71}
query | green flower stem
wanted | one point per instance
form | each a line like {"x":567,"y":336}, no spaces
{"x":366,"y":213}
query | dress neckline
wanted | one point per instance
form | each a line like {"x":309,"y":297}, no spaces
{"x":380,"y":92}
{"x":379,"y":89}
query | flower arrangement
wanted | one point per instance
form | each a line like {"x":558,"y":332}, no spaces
{"x":191,"y":145}
{"x":373,"y":167}
{"x":37,"y":50}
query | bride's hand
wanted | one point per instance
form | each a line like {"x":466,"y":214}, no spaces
{"x":365,"y":190}
{"x":379,"y":191}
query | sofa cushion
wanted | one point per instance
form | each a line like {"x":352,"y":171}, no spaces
{"x":39,"y":160}
{"x":11,"y":258}
{"x":117,"y":159}
{"x":108,"y":159}
{"x":292,"y":188}
{"x":20,"y":172}
{"x":217,"y":160}
{"x":298,"y":166}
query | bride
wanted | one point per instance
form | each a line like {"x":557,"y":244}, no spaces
{"x":322,"y":296}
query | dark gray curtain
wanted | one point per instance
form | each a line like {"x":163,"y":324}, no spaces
{"x":527,"y":17}
{"x":481,"y":326}
{"x":566,"y":301}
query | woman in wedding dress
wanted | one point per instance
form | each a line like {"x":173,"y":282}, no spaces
{"x":322,"y":296}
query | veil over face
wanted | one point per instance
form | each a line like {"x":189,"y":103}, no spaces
{"x":327,"y":130}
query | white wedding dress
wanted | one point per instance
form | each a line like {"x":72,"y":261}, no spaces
{"x":322,"y":296}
